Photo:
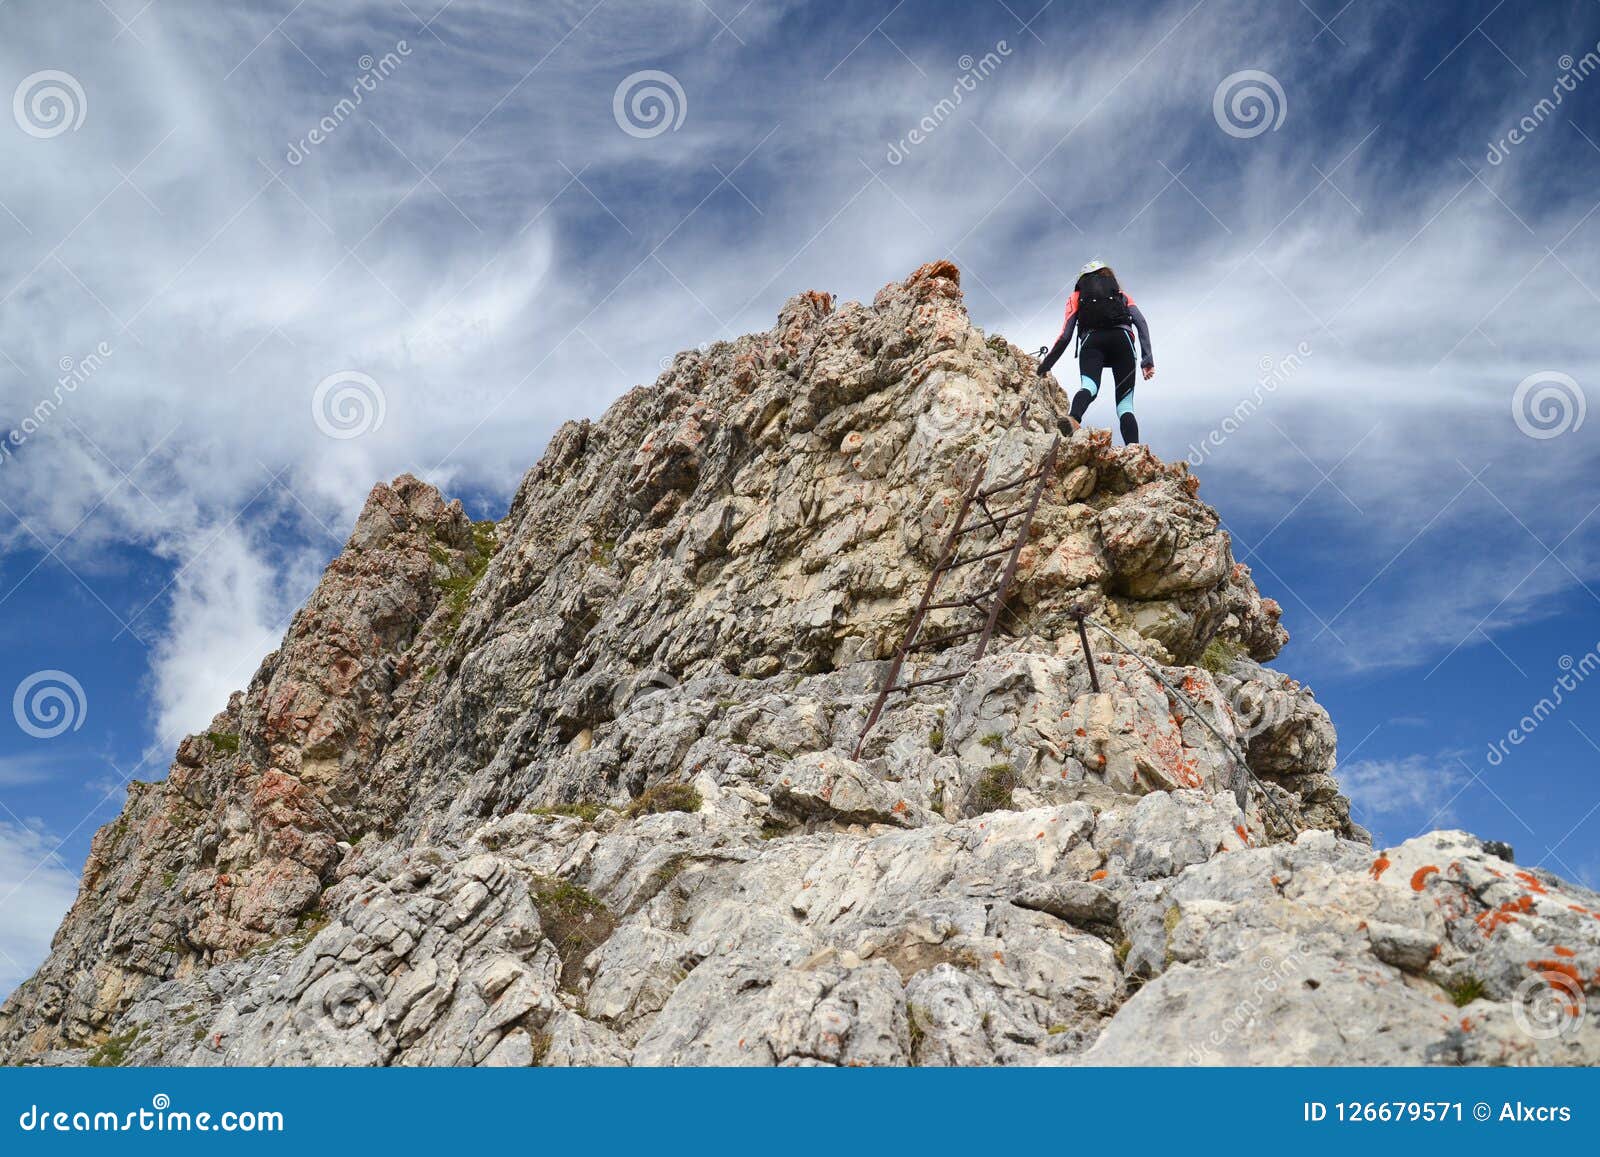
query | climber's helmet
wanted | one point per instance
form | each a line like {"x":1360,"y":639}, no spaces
{"x":1091,"y":267}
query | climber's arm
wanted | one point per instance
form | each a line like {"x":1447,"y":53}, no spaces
{"x":1060,"y":347}
{"x":1147,"y":357}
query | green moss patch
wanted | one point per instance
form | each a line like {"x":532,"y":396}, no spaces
{"x":666,"y":797}
{"x":574,"y":920}
{"x":586,"y":810}
{"x":114,"y":1051}
{"x":457,"y":589}
{"x":1220,"y":656}
{"x":994,"y":789}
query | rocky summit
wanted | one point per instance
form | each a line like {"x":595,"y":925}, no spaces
{"x":577,"y":787}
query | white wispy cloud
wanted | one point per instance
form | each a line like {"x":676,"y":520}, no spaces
{"x":484,"y":242}
{"x":1411,"y":791}
{"x":36,"y":889}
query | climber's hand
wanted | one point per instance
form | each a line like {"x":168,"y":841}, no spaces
{"x":1149,"y":372}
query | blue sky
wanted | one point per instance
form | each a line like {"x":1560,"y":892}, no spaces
{"x":496,"y":238}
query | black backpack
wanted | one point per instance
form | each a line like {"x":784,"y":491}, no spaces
{"x":1101,"y":302}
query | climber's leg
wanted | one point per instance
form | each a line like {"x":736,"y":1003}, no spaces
{"x":1130,"y":424}
{"x":1091,"y":361}
{"x":1123,"y":366}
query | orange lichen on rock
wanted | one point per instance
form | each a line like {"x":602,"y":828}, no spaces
{"x":1573,"y":991}
{"x":935,"y":279}
{"x":1505,"y":914}
{"x":1380,"y":866}
{"x":1531,"y":882}
{"x":1168,"y":748}
{"x":1419,"y":878}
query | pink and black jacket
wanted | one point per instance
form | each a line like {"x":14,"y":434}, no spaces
{"x":1147,"y":355}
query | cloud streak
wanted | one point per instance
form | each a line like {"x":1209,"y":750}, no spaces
{"x":36,"y":889}
{"x":484,"y":242}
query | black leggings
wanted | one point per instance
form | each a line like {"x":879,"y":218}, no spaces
{"x":1114,"y":348}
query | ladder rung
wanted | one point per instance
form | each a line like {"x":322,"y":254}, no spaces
{"x":945,"y":638}
{"x":1003,"y":487}
{"x":978,"y":557}
{"x":964,"y":600}
{"x":993,"y":520}
{"x":927,"y":682}
{"x":995,"y":593}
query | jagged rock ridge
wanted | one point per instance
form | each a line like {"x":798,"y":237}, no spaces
{"x":574,"y":788}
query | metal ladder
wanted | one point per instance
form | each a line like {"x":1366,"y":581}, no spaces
{"x":986,"y":602}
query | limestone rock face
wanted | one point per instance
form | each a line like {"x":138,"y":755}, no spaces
{"x":578,"y":787}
